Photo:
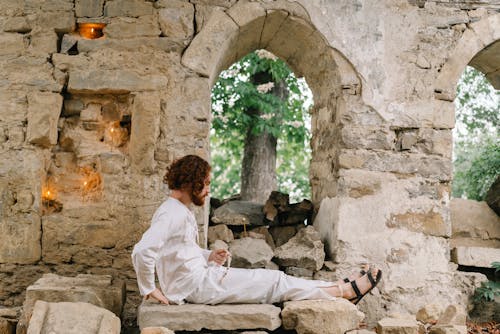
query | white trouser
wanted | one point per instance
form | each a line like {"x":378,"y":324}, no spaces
{"x":255,"y":286}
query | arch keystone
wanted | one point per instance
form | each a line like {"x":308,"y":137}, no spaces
{"x":250,"y":17}
{"x":209,"y":46}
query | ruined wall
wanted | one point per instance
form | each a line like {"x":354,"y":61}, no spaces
{"x":115,"y":111}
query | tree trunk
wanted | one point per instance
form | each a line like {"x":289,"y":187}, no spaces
{"x":258,"y":170}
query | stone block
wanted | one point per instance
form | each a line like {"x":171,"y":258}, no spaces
{"x":144,"y":132}
{"x":453,"y":315}
{"x":397,"y":326}
{"x":250,"y":17}
{"x":176,"y":19}
{"x":250,"y":253}
{"x":304,"y":250}
{"x":72,"y":318}
{"x":156,"y":330}
{"x":221,"y":3}
{"x":99,"y":290}
{"x":12,"y":44}
{"x":281,"y":234}
{"x":193,"y":317}
{"x":13,"y":107}
{"x":113,"y":82}
{"x":205,"y":54}
{"x":44,"y":109}
{"x":20,"y":239}
{"x":429,"y":313}
{"x":60,"y":21}
{"x":431,"y":223}
{"x":75,"y":233}
{"x":220,"y":232}
{"x":17,"y":24}
{"x":473,"y":219}
{"x":299,"y":272}
{"x":475,"y":256}
{"x":132,"y":8}
{"x":89,"y":8}
{"x":218,"y":244}
{"x":128,"y":27}
{"x":321,"y":316}
{"x":239,"y":213}
{"x":131,"y":44}
{"x":368,"y":138}
{"x":440,"y":329}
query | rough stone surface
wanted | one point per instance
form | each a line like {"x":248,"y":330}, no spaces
{"x":176,"y":20}
{"x":113,"y":82}
{"x":475,"y":256}
{"x":239,"y":213}
{"x":429,"y":313}
{"x":43,"y":113}
{"x":398,"y":325}
{"x":132,"y":8}
{"x":304,"y":250}
{"x":250,"y":253}
{"x":156,"y":330}
{"x":473,"y":223}
{"x":220,"y":232}
{"x":89,"y":8}
{"x":281,"y":234}
{"x":493,"y":196}
{"x":191,"y":317}
{"x":99,"y":290}
{"x":145,"y":131}
{"x":321,"y":316}
{"x":72,"y":318}
{"x":453,"y":315}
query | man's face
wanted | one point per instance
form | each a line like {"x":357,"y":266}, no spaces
{"x":199,"y":199}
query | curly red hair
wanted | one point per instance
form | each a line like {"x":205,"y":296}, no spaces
{"x":188,"y":173}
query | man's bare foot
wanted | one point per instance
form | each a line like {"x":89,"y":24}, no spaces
{"x":357,"y":289}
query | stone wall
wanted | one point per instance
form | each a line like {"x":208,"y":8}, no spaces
{"x":115,"y":111}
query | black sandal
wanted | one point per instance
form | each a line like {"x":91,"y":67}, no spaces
{"x":358,"y":293}
{"x":362,"y":272}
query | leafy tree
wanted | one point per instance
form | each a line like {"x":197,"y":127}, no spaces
{"x":476,"y":152}
{"x":257,"y":97}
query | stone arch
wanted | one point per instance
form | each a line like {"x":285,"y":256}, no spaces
{"x":287,"y":32}
{"x":477,"y":47}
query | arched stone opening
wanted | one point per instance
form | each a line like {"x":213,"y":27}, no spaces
{"x":228,"y":36}
{"x":475,"y":233}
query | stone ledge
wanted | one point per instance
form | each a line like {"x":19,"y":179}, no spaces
{"x":194,"y":317}
{"x":475,"y":256}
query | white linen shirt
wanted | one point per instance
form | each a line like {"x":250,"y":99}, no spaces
{"x":170,"y":246}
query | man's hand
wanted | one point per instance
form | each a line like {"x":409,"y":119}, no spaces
{"x":218,"y":256}
{"x":158,"y":295}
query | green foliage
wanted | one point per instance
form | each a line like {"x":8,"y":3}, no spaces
{"x":233,"y":96}
{"x":476,"y":166}
{"x":476,"y":152}
{"x":488,"y":290}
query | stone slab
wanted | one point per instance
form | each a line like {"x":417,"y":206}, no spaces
{"x":72,"y":318}
{"x":475,"y":256}
{"x":321,"y":316}
{"x":194,"y":317}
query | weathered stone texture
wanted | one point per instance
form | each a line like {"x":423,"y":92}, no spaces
{"x":321,"y":316}
{"x":21,"y":238}
{"x":72,"y":318}
{"x":89,"y":8}
{"x":132,"y":8}
{"x":304,"y":250}
{"x":113,"y":82}
{"x":191,"y":317}
{"x":475,"y":256}
{"x":43,"y":113}
{"x":239,"y":213}
{"x":176,"y":19}
{"x":145,"y":131}
{"x":250,"y":253}
{"x":127,"y":27}
{"x":398,"y":325}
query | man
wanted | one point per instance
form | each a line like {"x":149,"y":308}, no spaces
{"x":187,"y":272}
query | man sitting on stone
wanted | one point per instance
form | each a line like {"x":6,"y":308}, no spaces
{"x":187,"y":272}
